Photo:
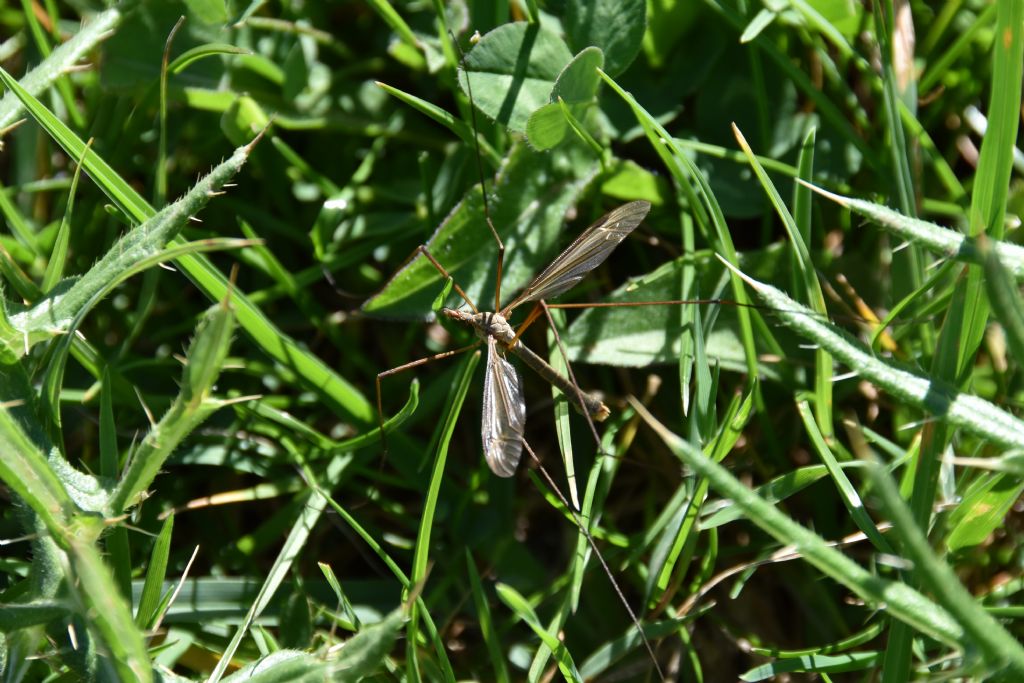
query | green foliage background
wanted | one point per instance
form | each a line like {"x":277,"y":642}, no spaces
{"x":212,"y":210}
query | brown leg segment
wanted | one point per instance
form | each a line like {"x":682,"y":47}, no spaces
{"x":402,"y":368}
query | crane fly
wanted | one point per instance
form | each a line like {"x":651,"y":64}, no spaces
{"x":504,"y":405}
{"x":504,"y":408}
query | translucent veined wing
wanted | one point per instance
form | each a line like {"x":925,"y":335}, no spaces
{"x":587,"y":252}
{"x":504,"y":413}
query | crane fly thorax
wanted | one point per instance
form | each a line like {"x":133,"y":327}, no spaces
{"x":485,"y":324}
{"x":494,"y":325}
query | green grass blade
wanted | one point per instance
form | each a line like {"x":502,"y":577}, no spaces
{"x":968,"y":412}
{"x":847,"y":493}
{"x":156,"y":572}
{"x":487,"y":629}
{"x":702,"y":201}
{"x":455,"y":125}
{"x":901,"y":601}
{"x":447,"y":426}
{"x":518,"y":604}
{"x":999,"y":650}
{"x":62,"y":59}
{"x":995,"y":165}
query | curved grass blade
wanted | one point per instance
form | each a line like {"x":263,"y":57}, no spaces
{"x":314,"y":373}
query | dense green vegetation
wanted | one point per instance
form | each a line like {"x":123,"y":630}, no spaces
{"x":210,"y":211}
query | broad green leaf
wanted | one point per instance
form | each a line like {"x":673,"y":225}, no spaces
{"x":983,"y":509}
{"x":637,"y":336}
{"x":615,"y":26}
{"x":510,"y":73}
{"x":283,"y":666}
{"x":243,"y":121}
{"x":854,"y":661}
{"x":529,"y":199}
{"x":577,"y":87}
{"x":208,"y":11}
{"x":671,"y":29}
{"x":547,"y":127}
{"x":579,"y":81}
{"x":364,"y":653}
{"x":628,"y":181}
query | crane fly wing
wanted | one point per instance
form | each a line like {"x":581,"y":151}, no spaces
{"x":504,"y":413}
{"x":587,"y":252}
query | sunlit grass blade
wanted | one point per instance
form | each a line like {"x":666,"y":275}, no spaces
{"x":455,"y":125}
{"x":995,"y":165}
{"x":806,"y":274}
{"x":522,"y":608}
{"x":702,"y":202}
{"x":998,"y":649}
{"x":333,"y":387}
{"x":443,"y":438}
{"x":942,"y":400}
{"x":847,"y":493}
{"x":487,"y":629}
{"x":901,"y":601}
{"x":62,"y":59}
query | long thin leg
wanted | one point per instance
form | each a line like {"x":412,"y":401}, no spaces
{"x":534,"y":314}
{"x":402,"y":368}
{"x":422,"y":249}
{"x":483,"y":184}
{"x":675,"y":302}
{"x":501,"y":251}
{"x":568,"y":367}
{"x":584,"y":529}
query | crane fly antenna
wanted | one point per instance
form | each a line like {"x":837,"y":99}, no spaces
{"x":480,"y":173}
